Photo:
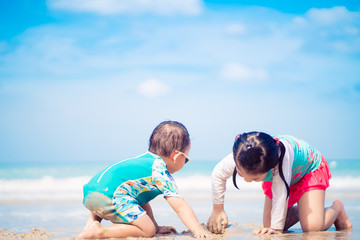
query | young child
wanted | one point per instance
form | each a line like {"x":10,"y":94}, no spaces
{"x":292,"y":172}
{"x":121,"y":192}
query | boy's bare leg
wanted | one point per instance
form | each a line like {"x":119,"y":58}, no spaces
{"x":141,"y":227}
{"x":92,"y":218}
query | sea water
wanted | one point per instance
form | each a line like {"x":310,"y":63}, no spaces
{"x":49,"y":194}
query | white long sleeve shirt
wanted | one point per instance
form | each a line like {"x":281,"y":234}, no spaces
{"x":225,"y":168}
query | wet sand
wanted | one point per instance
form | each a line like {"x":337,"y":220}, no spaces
{"x":232,"y":232}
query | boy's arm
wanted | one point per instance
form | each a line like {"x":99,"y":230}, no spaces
{"x":149,"y":212}
{"x":187,"y":216}
{"x":159,"y":229}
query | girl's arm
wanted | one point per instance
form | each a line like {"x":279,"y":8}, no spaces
{"x":266,"y":219}
{"x":187,"y":216}
{"x":267,"y":212}
{"x":222,"y":171}
{"x":280,"y":200}
{"x":218,"y":219}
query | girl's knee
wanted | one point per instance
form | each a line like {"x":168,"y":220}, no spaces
{"x":338,"y":205}
{"x":312,"y":227}
{"x":312,"y":224}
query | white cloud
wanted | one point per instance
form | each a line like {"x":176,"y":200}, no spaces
{"x":335,"y":29}
{"x":235,"y":29}
{"x":161,"y":7}
{"x":153,"y":88}
{"x":328,"y":16}
{"x":237,"y":72}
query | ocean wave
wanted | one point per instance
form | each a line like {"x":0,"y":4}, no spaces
{"x":53,"y":189}
{"x":46,"y":188}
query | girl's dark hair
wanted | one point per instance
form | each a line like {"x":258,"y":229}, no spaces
{"x":167,"y":137}
{"x":258,"y":153}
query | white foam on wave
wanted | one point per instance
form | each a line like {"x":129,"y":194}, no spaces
{"x":70,"y":189}
{"x":201,"y":183}
{"x":43,"y":189}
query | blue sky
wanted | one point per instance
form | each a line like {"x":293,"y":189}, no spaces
{"x":89,"y":80}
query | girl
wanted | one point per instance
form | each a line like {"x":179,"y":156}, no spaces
{"x":292,"y":172}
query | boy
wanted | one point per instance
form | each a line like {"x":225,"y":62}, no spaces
{"x":121,"y":192}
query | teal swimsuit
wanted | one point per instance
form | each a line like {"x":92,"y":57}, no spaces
{"x":117,"y":192}
{"x":306,"y":158}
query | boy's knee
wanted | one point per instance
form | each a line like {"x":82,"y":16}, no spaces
{"x":149,"y":231}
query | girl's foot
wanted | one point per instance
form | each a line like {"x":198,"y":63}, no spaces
{"x":342,"y":221}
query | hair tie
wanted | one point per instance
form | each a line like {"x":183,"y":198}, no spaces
{"x":237,"y":137}
{"x":277,"y":141}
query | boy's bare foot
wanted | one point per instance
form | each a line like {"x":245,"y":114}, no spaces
{"x":91,"y":231}
{"x":92,"y":218}
{"x":342,"y":221}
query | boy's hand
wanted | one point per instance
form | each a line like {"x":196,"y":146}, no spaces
{"x":218,"y":220}
{"x":166,"y":230}
{"x":266,"y":231}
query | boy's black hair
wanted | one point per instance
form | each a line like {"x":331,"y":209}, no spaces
{"x":258,"y":153}
{"x":167,"y":137}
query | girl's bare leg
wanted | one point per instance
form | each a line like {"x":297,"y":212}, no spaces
{"x":292,"y":217}
{"x":313,"y":216}
{"x":141,"y":227}
{"x":342,"y":221}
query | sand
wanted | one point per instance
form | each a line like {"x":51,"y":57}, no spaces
{"x":233,"y":231}
{"x":35,"y":233}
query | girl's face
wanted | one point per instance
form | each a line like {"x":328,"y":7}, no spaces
{"x":249,"y":177}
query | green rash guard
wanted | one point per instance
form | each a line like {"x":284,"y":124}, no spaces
{"x":306,"y":158}
{"x":141,"y":178}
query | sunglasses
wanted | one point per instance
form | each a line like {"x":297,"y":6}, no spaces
{"x":187,"y":159}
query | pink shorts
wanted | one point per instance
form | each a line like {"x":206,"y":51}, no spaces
{"x":316,"y":180}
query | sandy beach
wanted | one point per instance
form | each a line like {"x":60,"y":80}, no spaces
{"x":234,"y":231}
{"x":51,"y":207}
{"x":65,"y":221}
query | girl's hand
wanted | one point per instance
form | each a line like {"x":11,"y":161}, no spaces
{"x":201,"y":232}
{"x":218,"y":220}
{"x":166,"y":230}
{"x":266,"y":231}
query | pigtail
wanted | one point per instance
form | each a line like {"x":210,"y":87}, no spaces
{"x":235,"y":147}
{"x":282,"y":149}
{"x":234,"y":178}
